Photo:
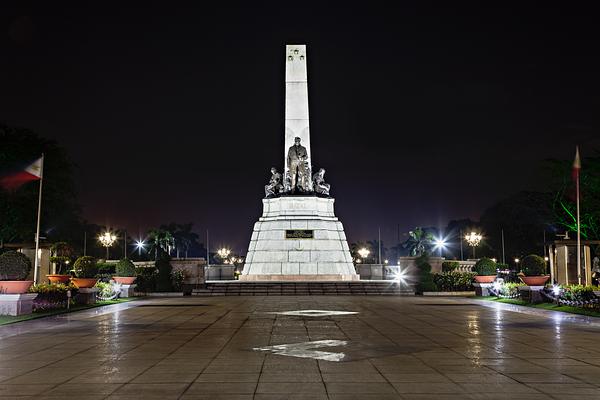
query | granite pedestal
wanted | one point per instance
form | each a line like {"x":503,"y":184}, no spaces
{"x":86,"y":295}
{"x":298,"y":238}
{"x":482,"y":289}
{"x":17,"y":304}
{"x":127,"y":290}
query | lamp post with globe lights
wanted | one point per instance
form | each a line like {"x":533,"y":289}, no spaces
{"x":107,"y":239}
{"x":223,"y":254}
{"x":364,"y":253}
{"x":473,"y":239}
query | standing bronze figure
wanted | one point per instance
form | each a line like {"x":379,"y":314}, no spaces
{"x":299,"y":169}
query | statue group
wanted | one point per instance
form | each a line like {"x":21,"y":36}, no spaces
{"x":298,"y":176}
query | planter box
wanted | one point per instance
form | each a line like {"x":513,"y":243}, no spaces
{"x":127,"y":291}
{"x":453,"y":294}
{"x":482,"y":289}
{"x":87,"y":295}
{"x":531,"y":293}
{"x":17,"y":304}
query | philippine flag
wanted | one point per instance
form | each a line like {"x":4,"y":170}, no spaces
{"x":14,"y":179}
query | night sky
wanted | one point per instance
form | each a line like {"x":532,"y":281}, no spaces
{"x":420,"y":115}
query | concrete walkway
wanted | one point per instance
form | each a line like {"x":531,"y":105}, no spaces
{"x":299,"y":348}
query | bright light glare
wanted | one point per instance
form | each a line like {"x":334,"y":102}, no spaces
{"x":400,"y":276}
{"x":497,"y":286}
{"x":140,"y":244}
{"x":556,"y":289}
{"x":364,"y":253}
{"x":440,"y":243}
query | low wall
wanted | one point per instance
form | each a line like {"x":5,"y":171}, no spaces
{"x":193,"y":268}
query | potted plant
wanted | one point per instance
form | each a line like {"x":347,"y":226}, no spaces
{"x":534,"y":268}
{"x":485,"y":269}
{"x":85,"y":270}
{"x":125,"y":272}
{"x":14,"y":270}
{"x":62,"y":255}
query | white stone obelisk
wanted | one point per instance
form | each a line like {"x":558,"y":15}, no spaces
{"x":296,"y":100}
{"x":298,"y":238}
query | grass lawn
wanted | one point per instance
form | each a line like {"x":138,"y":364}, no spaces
{"x":545,"y":306}
{"x":7,"y":319}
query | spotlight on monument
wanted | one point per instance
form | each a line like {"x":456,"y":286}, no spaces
{"x":400,"y":276}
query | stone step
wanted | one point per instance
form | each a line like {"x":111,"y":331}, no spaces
{"x":360,"y":288}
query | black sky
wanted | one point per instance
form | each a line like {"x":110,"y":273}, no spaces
{"x":419,"y":114}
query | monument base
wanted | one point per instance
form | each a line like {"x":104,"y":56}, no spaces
{"x":298,"y":278}
{"x":298,"y":238}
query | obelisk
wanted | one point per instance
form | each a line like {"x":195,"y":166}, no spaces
{"x":298,"y":237}
{"x":296,"y":100}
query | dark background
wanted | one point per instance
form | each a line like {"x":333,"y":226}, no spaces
{"x":419,"y":114}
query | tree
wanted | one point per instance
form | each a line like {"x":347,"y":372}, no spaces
{"x":60,"y":211}
{"x":564,"y":209}
{"x":524,"y":217}
{"x":183,"y":237}
{"x":161,"y":242}
{"x":419,"y":242}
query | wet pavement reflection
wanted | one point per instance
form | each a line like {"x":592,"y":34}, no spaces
{"x":312,"y":347}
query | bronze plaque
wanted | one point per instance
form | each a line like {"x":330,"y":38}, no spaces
{"x":299,"y":234}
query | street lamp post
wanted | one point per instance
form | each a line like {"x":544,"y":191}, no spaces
{"x":107,"y":239}
{"x":473,"y":239}
{"x":224,"y":253}
{"x":364,"y":253}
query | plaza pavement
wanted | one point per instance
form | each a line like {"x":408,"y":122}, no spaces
{"x":226,"y":348}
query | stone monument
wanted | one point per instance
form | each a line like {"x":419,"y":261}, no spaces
{"x":298,"y":237}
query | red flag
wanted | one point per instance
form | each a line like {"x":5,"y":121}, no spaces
{"x":576,"y":164}
{"x":31,"y":172}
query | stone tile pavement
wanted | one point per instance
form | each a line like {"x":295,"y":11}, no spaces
{"x":393,"y":348}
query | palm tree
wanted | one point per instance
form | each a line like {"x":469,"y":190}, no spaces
{"x":418,"y":242}
{"x":160,"y":240}
{"x":185,"y":238}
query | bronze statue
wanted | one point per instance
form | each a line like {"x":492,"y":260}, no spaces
{"x":274,"y":187}
{"x":297,"y":161}
{"x":319,"y":183}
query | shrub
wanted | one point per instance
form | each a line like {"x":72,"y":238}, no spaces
{"x":105,"y":268}
{"x":146,"y":279}
{"x":177,"y":278}
{"x":533,"y":265}
{"x":85,"y":267}
{"x":62,"y":255}
{"x":502,"y":266}
{"x":425,"y":277}
{"x":52,"y":292}
{"x":14,"y":266}
{"x":453,"y":281}
{"x":125,"y":268}
{"x":163,"y":277}
{"x":578,"y":293}
{"x":510,"y":289}
{"x":485,"y":266}
{"x":448,"y":266}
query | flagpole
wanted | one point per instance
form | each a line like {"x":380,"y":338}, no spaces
{"x":578,"y":224}
{"x":578,"y":237}
{"x":37,"y":232}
